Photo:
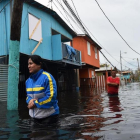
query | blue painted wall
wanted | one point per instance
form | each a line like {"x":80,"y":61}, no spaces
{"x":56,"y":47}
{"x":26,"y":46}
{"x":127,"y":76}
{"x":4,"y":28}
{"x":48,"y":23}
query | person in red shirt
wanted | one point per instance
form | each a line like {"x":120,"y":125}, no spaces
{"x":113,"y":83}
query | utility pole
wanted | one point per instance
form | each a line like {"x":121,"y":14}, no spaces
{"x":138,"y":68}
{"x":121,"y":63}
{"x":138,"y":63}
{"x":13,"y":69}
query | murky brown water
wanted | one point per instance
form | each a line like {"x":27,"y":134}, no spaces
{"x":87,"y":115}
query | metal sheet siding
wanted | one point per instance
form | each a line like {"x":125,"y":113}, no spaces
{"x":48,"y":23}
{"x":4,"y":28}
{"x":3,"y":82}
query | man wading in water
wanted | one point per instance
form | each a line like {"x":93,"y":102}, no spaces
{"x":113,"y":83}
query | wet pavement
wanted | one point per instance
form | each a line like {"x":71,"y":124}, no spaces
{"x":86,"y":115}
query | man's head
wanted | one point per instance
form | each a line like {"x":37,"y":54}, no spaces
{"x":113,"y":73}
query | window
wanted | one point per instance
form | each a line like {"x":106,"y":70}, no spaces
{"x":88,"y":48}
{"x":92,"y":74}
{"x":96,"y":54}
{"x":35,"y":29}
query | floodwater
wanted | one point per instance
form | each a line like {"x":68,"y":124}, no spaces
{"x":86,"y":115}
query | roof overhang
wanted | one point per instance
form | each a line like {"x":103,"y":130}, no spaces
{"x":84,"y":65}
{"x":88,"y":38}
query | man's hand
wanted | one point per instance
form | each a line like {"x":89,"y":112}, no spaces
{"x":31,"y":104}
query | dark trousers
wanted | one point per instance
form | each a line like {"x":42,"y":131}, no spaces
{"x":48,"y":121}
{"x":112,"y":95}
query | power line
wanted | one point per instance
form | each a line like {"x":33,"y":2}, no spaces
{"x":129,"y":63}
{"x":25,"y":17}
{"x":106,"y":58}
{"x":75,"y":16}
{"x":92,"y":34}
{"x":76,"y":10}
{"x":116,"y":29}
{"x":63,"y":15}
{"x":66,"y":13}
{"x":4,"y":5}
{"x":96,"y":39}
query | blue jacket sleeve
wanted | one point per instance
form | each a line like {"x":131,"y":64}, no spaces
{"x":50,"y":93}
{"x":28,"y":99}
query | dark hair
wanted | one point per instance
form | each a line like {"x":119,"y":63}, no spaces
{"x":115,"y":69}
{"x":39,"y":61}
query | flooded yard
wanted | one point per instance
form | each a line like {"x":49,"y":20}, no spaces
{"x":85,"y":115}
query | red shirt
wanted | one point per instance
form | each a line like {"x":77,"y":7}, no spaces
{"x":113,"y":89}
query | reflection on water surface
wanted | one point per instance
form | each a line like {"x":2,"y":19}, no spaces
{"x":87,"y":115}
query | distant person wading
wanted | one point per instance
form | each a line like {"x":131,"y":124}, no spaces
{"x":113,"y":83}
{"x":41,"y":90}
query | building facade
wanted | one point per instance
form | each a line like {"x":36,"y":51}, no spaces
{"x":89,"y":57}
{"x":44,"y":33}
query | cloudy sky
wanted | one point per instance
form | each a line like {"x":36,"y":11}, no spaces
{"x":124,"y":14}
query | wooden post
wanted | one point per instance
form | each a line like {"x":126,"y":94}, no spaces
{"x":13,"y":70}
{"x":106,"y":76}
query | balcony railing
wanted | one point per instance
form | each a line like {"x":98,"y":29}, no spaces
{"x":75,"y":59}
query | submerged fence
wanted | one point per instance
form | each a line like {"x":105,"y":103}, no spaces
{"x":98,"y":82}
{"x":87,"y":82}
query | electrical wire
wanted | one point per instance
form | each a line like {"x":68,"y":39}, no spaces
{"x":82,"y":22}
{"x":25,"y":17}
{"x":64,"y":16}
{"x":68,"y":14}
{"x":75,"y":16}
{"x":106,"y":58}
{"x":116,"y":29}
{"x":96,"y":39}
{"x":76,"y":10}
{"x":93,"y":35}
{"x":129,"y":63}
{"x":5,"y":6}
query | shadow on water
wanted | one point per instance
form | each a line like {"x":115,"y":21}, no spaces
{"x":85,"y":115}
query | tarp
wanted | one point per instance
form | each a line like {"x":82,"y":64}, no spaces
{"x":71,"y":51}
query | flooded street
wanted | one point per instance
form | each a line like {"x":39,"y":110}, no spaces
{"x":87,"y":115}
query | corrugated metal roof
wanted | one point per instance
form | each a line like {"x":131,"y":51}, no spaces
{"x":104,"y":69}
{"x":126,"y":72}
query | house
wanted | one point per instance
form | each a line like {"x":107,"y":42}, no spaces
{"x":43,"y":32}
{"x":89,"y":57}
{"x":103,"y":70}
{"x":127,"y":76}
{"x":101,"y":76}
